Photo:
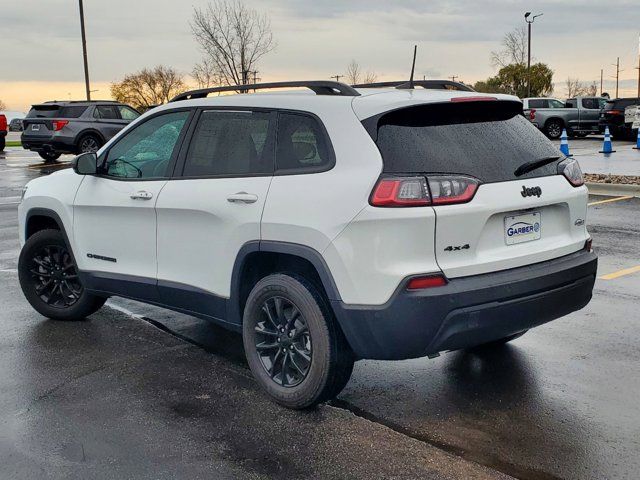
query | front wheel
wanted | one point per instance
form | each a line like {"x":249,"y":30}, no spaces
{"x":49,"y":279}
{"x":294,"y":347}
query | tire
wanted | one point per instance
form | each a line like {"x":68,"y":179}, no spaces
{"x":497,"y":343}
{"x":271,"y":307}
{"x":89,"y":143}
{"x":3,"y":142}
{"x":553,"y":128}
{"x":49,"y":279}
{"x":49,"y":157}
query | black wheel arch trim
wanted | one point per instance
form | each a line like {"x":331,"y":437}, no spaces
{"x":53,"y":215}
{"x":89,"y":131}
{"x":271,"y":246}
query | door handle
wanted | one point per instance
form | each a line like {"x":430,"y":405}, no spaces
{"x":142,"y":195}
{"x":242,"y":197}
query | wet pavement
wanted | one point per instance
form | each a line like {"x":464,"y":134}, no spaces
{"x":625,"y":160}
{"x":141,"y":392}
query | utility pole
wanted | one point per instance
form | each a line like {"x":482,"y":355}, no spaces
{"x":453,"y":77}
{"x":529,"y":23}
{"x":337,"y":77}
{"x":617,"y":65}
{"x":84,"y":52}
{"x":601,"y":77}
{"x":638,"y":66}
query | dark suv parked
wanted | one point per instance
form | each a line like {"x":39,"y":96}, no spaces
{"x":612,"y":116}
{"x":54,"y":128}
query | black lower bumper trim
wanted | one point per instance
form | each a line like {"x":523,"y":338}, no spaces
{"x":469,"y":311}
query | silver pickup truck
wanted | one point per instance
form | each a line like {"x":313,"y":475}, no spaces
{"x":579,"y":115}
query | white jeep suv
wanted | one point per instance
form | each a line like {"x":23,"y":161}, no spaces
{"x":328,"y":226}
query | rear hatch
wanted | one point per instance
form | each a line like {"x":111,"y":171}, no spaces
{"x":40,"y":121}
{"x":490,"y":215}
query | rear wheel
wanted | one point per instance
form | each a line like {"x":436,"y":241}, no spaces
{"x":49,"y":279}
{"x":294,"y":347}
{"x":89,"y":144}
{"x":553,"y":128}
{"x":49,"y":157}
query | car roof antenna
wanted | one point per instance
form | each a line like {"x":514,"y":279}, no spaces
{"x":413,"y":65}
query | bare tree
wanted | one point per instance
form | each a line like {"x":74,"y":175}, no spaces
{"x":576,"y":88}
{"x":592,"y":90}
{"x":514,"y":49}
{"x":205,"y":74}
{"x":370,"y":77}
{"x":353,"y":73}
{"x":148,"y":87}
{"x":3,"y":106}
{"x":233,"y":39}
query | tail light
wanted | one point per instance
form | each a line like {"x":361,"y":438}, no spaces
{"x":58,"y":124}
{"x":532,"y":114}
{"x":614,"y":112}
{"x":418,"y":191}
{"x":571,"y":171}
{"x":426,"y":281}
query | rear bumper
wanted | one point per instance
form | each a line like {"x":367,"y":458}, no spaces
{"x":59,"y":144}
{"x":469,"y":311}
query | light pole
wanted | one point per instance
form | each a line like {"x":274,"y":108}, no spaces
{"x":84,"y":52}
{"x":529,"y":22}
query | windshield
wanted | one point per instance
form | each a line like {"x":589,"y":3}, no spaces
{"x":488,"y":140}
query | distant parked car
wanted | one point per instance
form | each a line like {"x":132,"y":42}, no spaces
{"x":15,"y":125}
{"x":632,"y":119}
{"x":612,"y":116}
{"x":578,"y":115}
{"x":3,"y":131}
{"x":54,"y":128}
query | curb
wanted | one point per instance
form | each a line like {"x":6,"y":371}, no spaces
{"x":613,"y":189}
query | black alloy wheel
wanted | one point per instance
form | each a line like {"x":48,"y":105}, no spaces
{"x":55,"y":278}
{"x":283,"y":342}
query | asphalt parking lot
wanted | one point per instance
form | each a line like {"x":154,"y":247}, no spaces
{"x":137,"y":391}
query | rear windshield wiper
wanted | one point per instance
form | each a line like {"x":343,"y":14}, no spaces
{"x":533,"y":165}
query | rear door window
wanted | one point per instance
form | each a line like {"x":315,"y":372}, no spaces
{"x":231,"y":143}
{"x":590,"y":103}
{"x":106,"y":112}
{"x":487,"y":140}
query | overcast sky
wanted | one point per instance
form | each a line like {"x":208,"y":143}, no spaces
{"x":42,"y":58}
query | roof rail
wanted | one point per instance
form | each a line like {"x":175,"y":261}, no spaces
{"x":320,"y":87}
{"x":428,"y":84}
{"x":79,"y":101}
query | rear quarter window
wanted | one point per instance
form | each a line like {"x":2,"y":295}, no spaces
{"x":73,"y":111}
{"x":487,"y":140}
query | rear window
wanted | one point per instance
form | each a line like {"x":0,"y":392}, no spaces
{"x":43,"y":111}
{"x":56,"y":111}
{"x":487,"y":140}
{"x":538,"y":103}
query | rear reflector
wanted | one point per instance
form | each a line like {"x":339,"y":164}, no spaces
{"x":428,"y":281}
{"x":532,"y":114}
{"x":588,"y":245}
{"x":418,"y":191}
{"x":58,"y":124}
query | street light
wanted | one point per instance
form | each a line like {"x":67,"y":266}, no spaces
{"x":529,"y":22}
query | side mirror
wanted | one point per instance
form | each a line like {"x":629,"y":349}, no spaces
{"x":85,"y":164}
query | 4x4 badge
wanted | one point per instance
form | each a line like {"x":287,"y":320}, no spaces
{"x":530,"y":192}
